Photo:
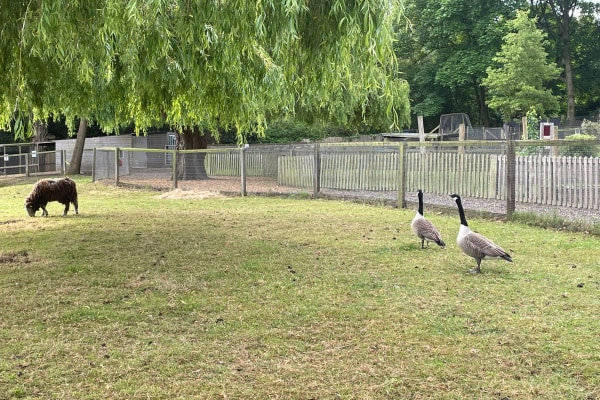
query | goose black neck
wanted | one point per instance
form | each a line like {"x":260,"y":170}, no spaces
{"x":420,"y":196}
{"x":461,"y":212}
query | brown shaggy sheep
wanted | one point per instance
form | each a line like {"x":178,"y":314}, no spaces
{"x":44,"y":191}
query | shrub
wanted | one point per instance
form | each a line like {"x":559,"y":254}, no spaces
{"x":590,"y":128}
{"x":580,"y":149}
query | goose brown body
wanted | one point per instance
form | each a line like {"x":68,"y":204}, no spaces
{"x":474,"y":244}
{"x":423,"y":228}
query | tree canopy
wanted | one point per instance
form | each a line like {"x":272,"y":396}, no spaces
{"x":219,"y":63}
{"x":447,"y":51}
{"x":449,"y":45}
{"x":517,"y":82}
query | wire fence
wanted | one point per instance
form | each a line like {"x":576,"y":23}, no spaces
{"x":559,"y":177}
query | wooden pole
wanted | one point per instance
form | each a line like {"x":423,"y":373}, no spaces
{"x":317,"y":170}
{"x":461,"y":138}
{"x":117,"y":166}
{"x":94,"y":165}
{"x":27,"y":164}
{"x":401,"y":175}
{"x":525,"y":133}
{"x":421,"y":132}
{"x":243,"y":170}
{"x":174,"y":167}
{"x":511,"y":160}
{"x":555,"y":137}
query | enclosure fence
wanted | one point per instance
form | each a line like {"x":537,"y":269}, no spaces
{"x":31,"y":162}
{"x":500,"y":176}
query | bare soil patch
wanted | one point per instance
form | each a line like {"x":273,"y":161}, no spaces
{"x":219,"y":185}
{"x":14,"y":258}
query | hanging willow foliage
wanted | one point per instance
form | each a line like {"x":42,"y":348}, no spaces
{"x":210,"y":63}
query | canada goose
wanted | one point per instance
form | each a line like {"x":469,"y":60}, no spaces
{"x":423,"y":228}
{"x":473,"y":244}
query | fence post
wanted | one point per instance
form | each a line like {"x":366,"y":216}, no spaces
{"x":524,"y":129}
{"x":117,"y":166}
{"x":27,"y":164}
{"x":401,"y":203}
{"x":317,"y":170}
{"x":174,"y":167}
{"x":421,"y":126}
{"x":94,"y":165}
{"x":63,"y":161}
{"x":243,"y":169}
{"x":461,"y":138}
{"x":511,"y":160}
{"x":555,"y":137}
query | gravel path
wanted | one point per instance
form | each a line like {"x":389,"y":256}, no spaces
{"x":232,"y":185}
{"x":497,"y":207}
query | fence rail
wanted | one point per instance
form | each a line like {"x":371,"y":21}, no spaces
{"x":506,"y":173}
{"x":498,"y":171}
{"x":33,"y":162}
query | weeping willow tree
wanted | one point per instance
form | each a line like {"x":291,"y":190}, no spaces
{"x":199,"y":65}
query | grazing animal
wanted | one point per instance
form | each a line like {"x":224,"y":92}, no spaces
{"x":44,"y":191}
{"x":473,"y":244}
{"x":423,"y":228}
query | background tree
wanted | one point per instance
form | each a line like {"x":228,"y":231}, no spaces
{"x":446,"y":51}
{"x":516,"y":83}
{"x":558,"y":19}
{"x":198,"y":66}
{"x":585,"y":48}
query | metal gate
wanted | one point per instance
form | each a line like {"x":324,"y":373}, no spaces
{"x":171,"y":145}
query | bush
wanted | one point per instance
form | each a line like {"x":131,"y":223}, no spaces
{"x":590,"y":128}
{"x":580,"y":149}
{"x":293,"y":131}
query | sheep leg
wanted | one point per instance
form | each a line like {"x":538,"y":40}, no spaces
{"x":66,"y":209}
{"x":44,"y":211}
{"x":76,"y":206}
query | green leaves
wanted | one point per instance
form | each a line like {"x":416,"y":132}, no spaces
{"x":517,"y":82}
{"x":204,"y":63}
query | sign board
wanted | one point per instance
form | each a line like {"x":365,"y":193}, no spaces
{"x":546,"y":129}
{"x":33,"y":154}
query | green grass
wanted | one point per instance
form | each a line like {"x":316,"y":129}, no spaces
{"x":141,"y":297}
{"x":554,"y":221}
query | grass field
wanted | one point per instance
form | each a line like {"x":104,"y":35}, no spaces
{"x":143,"y":297}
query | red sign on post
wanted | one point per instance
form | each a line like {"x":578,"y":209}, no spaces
{"x":546,"y":129}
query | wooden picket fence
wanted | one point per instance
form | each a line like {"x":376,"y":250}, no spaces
{"x":471,"y":171}
{"x":471,"y":174}
{"x":296,"y":171}
{"x":561,"y":181}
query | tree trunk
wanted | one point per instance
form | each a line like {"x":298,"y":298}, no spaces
{"x":75,"y":164}
{"x":566,"y":45}
{"x":570,"y":89}
{"x":191,"y":166}
{"x":484,"y":115}
{"x":40,"y":131}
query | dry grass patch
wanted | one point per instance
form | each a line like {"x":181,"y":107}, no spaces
{"x":190,"y":194}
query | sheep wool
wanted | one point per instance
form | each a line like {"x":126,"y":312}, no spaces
{"x":62,"y":190}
